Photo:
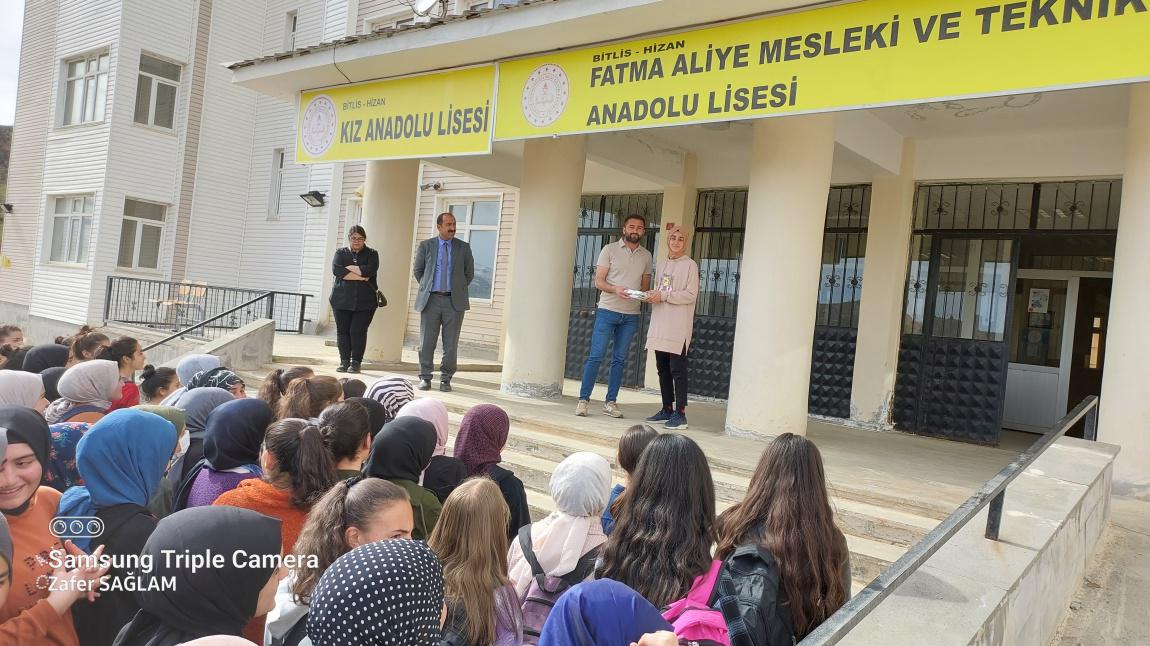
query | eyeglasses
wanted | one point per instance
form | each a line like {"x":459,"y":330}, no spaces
{"x":357,"y":239}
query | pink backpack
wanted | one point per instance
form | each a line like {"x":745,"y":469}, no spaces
{"x":692,"y":619}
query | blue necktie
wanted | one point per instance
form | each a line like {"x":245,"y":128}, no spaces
{"x":442,"y":268}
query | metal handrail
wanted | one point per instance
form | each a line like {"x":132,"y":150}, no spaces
{"x":181,"y":283}
{"x":204,"y":322}
{"x":992,"y":493}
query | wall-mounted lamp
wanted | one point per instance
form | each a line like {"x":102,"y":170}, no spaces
{"x":433,"y":186}
{"x":313,"y":198}
{"x":6,"y":208}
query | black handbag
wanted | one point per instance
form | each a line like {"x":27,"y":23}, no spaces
{"x":380,"y":299}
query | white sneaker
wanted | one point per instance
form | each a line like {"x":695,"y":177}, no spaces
{"x":581,"y":408}
{"x":611,"y":409}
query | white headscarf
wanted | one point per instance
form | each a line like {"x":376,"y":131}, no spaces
{"x":185,"y":370}
{"x":95,"y":382}
{"x":18,"y":388}
{"x":580,"y":487}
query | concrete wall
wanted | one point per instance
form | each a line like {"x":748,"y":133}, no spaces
{"x":248,"y":348}
{"x":1015,"y":590}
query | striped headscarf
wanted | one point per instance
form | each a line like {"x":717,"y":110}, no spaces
{"x":393,"y":393}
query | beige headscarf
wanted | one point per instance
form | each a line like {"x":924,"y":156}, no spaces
{"x":95,"y":382}
{"x":18,"y":388}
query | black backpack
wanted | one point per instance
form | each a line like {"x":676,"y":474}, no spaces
{"x":751,"y":595}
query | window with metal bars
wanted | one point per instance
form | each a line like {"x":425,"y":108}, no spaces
{"x":843,"y":260}
{"x":1084,"y":205}
{"x":720,"y":228}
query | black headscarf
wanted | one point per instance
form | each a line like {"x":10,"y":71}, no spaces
{"x":47,"y":355}
{"x":210,"y":600}
{"x":51,"y":377}
{"x":375,"y":410}
{"x":215,"y":378}
{"x":387,"y":592}
{"x":402,"y":449}
{"x":234,"y":433}
{"x":25,"y":426}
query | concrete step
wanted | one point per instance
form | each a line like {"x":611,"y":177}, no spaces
{"x":540,"y":451}
{"x":543,"y":437}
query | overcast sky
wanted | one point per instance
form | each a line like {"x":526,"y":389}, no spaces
{"x":11,"y":20}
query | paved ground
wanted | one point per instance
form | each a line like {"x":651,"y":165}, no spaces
{"x":1110,"y":607}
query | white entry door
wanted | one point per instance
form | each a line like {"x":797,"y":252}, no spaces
{"x":1042,"y":327}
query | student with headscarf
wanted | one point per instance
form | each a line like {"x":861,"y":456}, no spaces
{"x":86,"y":392}
{"x":219,"y":378}
{"x":399,"y":454}
{"x":393,"y":393}
{"x":444,"y":473}
{"x":187,"y":368}
{"x":44,"y":356}
{"x":197,"y":406}
{"x":482,"y":608}
{"x":51,"y":379}
{"x":18,"y":388}
{"x":232,"y":440}
{"x":601,"y":613}
{"x":174,"y":415}
{"x":31,"y":614}
{"x":346,"y":431}
{"x":579,"y":486}
{"x":122,"y":459}
{"x":482,"y":436}
{"x":211,"y":600}
{"x":375,"y":412}
{"x":387,"y":592}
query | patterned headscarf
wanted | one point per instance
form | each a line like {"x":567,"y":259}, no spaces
{"x":214,"y":378}
{"x":482,"y":436}
{"x":393,"y":393}
{"x":387,"y":592}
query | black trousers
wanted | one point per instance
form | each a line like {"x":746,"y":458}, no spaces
{"x":673,"y":378}
{"x":351,"y":333}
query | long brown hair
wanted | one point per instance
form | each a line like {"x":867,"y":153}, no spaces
{"x":303,"y":465}
{"x":306,"y":397}
{"x":470,"y":539}
{"x":787,"y":511}
{"x":350,"y":503}
{"x":276,"y":383}
{"x":666,"y":522}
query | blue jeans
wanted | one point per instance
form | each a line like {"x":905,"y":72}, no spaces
{"x":608,"y":325}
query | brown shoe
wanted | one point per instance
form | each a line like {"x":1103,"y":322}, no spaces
{"x":611,"y":409}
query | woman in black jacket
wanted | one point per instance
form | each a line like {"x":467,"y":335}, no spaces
{"x":353,"y":297}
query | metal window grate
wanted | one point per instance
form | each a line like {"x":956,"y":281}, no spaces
{"x":843,"y":260}
{"x":1084,"y":205}
{"x":720,"y":228}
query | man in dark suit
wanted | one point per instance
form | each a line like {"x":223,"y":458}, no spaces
{"x":444,"y":268}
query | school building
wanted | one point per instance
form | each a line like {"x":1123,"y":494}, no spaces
{"x":930,"y":217}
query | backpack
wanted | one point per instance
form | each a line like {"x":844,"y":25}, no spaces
{"x":692,"y":619}
{"x":545,"y":589}
{"x":79,"y":409}
{"x":752,"y":598}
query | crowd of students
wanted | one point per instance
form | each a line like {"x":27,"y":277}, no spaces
{"x":356,"y":526}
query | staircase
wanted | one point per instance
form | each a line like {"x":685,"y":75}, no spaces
{"x":877,"y":534}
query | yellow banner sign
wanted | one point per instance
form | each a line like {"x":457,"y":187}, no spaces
{"x":863,"y":54}
{"x":434,"y":115}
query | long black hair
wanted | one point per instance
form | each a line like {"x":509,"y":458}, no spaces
{"x":666,"y":522}
{"x":152,"y":379}
{"x":343,"y":426}
{"x":120,"y":351}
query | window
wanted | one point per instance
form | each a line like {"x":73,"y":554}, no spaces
{"x":140,"y":235}
{"x":277,"y":180}
{"x":390,"y":21}
{"x":156,"y":89}
{"x":844,"y":251}
{"x":85,"y":89}
{"x":71,"y":228}
{"x":477,"y":222}
{"x":290,"y":22}
{"x":354,"y":211}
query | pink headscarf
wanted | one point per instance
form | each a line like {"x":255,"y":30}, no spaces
{"x":431,"y":410}
{"x":482,"y":436}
